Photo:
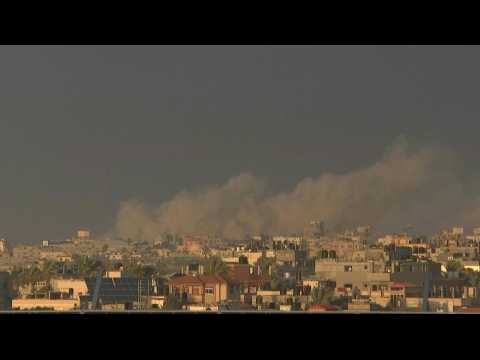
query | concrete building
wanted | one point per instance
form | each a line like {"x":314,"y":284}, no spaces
{"x":321,"y":308}
{"x":3,"y":246}
{"x":329,"y":268}
{"x":457,"y":231}
{"x":343,"y":248}
{"x":74,"y":287}
{"x":46,"y":304}
{"x":200,"y":289}
{"x":294,"y":242}
{"x":191,"y":246}
{"x":192,"y":269}
{"x":252,"y":256}
{"x":26,"y":253}
{"x":273,"y":299}
{"x":473,"y":265}
{"x":291,"y":257}
{"x":59,"y":256}
{"x":124,"y":293}
{"x":83,"y":234}
{"x":5,"y":301}
{"x":359,"y":305}
{"x":246,"y":280}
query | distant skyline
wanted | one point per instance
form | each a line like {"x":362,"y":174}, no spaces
{"x":84,"y":128}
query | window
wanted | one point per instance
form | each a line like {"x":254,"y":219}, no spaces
{"x":348,"y":268}
{"x":209,"y":290}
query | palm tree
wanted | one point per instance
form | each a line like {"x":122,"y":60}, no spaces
{"x":206,"y":252}
{"x":322,"y":296}
{"x":214,"y":265}
{"x":87,"y":266}
{"x":265,"y":264}
{"x":49,"y":269}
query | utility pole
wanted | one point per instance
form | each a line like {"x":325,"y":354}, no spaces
{"x":426,"y":290}
{"x":139,"y":293}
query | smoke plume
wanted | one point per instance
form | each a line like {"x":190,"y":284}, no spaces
{"x":423,"y":186}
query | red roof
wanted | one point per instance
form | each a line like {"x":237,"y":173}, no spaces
{"x":471,"y":309}
{"x":209,"y":279}
{"x":187,"y":279}
{"x":197,"y":280}
{"x":321,"y":307}
{"x":241,"y":274}
{"x":401,"y":285}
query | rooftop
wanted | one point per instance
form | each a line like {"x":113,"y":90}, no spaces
{"x":198,"y":279}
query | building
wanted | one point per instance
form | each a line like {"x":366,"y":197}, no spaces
{"x":329,"y":268}
{"x":341,"y":247}
{"x":359,"y":305}
{"x":252,"y":256}
{"x":122,"y":293}
{"x":273,"y":299}
{"x":403,"y":293}
{"x":26,"y":253}
{"x":192,"y":269}
{"x":192,"y":246}
{"x":245,"y":280}
{"x":293,"y":242}
{"x":45,"y":304}
{"x":3,"y":246}
{"x":457,"y":231}
{"x":83,"y":234}
{"x":5,"y":301}
{"x":291,"y":257}
{"x":473,"y":265}
{"x":113,"y":274}
{"x":415,"y":271}
{"x":321,"y":308}
{"x":200,"y":289}
{"x":74,"y":287}
{"x":59,"y":256}
{"x":419,"y":247}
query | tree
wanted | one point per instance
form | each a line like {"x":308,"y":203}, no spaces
{"x":142,"y":271}
{"x":86,"y":266}
{"x":49,"y":269}
{"x":454,"y":265}
{"x":206,"y":252}
{"x":214,"y":265}
{"x":265,"y":264}
{"x":172,"y":303}
{"x":471,"y":277}
{"x":275,"y":284}
{"x":323,"y":296}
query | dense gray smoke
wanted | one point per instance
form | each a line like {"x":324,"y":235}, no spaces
{"x":421,"y":186}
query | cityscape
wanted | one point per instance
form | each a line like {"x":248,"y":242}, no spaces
{"x":318,"y":270}
{"x":285,"y":179}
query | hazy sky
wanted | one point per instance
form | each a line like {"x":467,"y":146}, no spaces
{"x":86,"y":127}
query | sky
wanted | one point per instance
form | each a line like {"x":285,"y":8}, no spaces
{"x":85,"y":128}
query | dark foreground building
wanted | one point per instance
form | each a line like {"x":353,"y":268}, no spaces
{"x":5,"y":296}
{"x":123,"y":293}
